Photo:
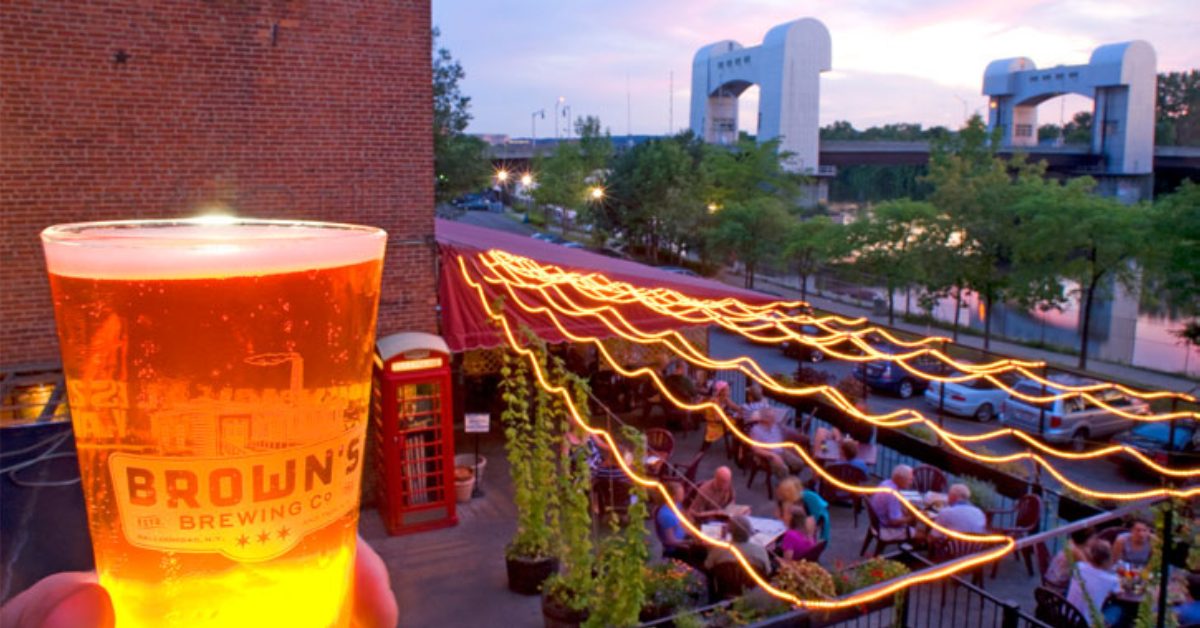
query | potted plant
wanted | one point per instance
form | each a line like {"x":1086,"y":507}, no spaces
{"x":671,"y":586}
{"x":804,"y":579}
{"x":529,"y":558}
{"x":566,"y":596}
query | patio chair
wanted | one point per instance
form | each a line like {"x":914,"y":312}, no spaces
{"x":1055,"y":610}
{"x":1043,"y":560}
{"x":847,"y":474}
{"x":611,"y":494}
{"x":1027,"y":516}
{"x":660,"y":442}
{"x":874,"y":533}
{"x":729,"y":580}
{"x":927,"y":478}
{"x":946,"y":549}
{"x":759,"y":462}
{"x":813,"y":555}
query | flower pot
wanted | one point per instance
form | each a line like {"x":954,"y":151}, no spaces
{"x":468,"y":460}
{"x":558,"y":615}
{"x":464,"y":484}
{"x":525,"y":575}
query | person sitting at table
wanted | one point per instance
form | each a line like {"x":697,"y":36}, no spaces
{"x":1134,"y":546}
{"x":1058,"y":574}
{"x":714,"y":426}
{"x":755,"y":400}
{"x":740,"y":531}
{"x":823,"y":441}
{"x":765,"y":428}
{"x":649,"y":393}
{"x":960,"y":514}
{"x":800,"y":536}
{"x":712,"y":496}
{"x":671,"y":534}
{"x":895,"y":521}
{"x":850,"y":455}
{"x":1094,"y":582}
{"x":790,"y":493}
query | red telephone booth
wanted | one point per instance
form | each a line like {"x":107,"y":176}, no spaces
{"x":413,"y":417}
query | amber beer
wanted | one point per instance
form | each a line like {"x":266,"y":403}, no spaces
{"x":218,"y":374}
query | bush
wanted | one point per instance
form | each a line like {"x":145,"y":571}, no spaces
{"x":804,"y":580}
{"x":851,"y":389}
{"x":983,"y":493}
{"x":808,"y":376}
{"x":873,"y":571}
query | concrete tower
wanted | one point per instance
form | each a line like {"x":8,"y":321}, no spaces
{"x":786,"y":67}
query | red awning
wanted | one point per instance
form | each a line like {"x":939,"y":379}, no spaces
{"x":465,"y":324}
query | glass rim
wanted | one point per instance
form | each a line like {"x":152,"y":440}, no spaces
{"x":141,"y":230}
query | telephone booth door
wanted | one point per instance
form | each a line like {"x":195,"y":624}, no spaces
{"x":414,"y":426}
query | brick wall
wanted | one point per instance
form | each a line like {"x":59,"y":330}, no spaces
{"x":275,"y":109}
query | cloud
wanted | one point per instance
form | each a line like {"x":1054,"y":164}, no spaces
{"x":894,"y":60}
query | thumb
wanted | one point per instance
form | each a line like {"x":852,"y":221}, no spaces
{"x":63,"y":600}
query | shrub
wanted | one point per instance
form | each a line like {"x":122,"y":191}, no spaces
{"x":804,"y":579}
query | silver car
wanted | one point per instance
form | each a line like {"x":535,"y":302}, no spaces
{"x":1072,"y":419}
{"x":977,"y":398}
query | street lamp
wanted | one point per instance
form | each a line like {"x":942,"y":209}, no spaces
{"x":526,"y":180}
{"x":502,"y":176}
{"x":527,"y":185}
{"x":558,"y":103}
{"x":533,"y":129}
{"x":597,"y":193}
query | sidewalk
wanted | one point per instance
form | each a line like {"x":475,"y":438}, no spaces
{"x":1103,"y":370}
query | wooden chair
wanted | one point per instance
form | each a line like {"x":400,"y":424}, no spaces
{"x":874,"y":533}
{"x":927,"y":478}
{"x":847,"y":474}
{"x":759,"y":462}
{"x":611,"y":495}
{"x":1026,"y":518}
{"x":946,"y":549}
{"x":813,"y":555}
{"x":659,"y":442}
{"x":1043,"y":560}
{"x":1055,"y":610}
{"x":729,"y":580}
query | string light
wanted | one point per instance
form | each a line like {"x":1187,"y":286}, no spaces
{"x":1005,"y":546}
{"x":835,"y":396}
{"x":973,"y":371}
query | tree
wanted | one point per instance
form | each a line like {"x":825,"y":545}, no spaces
{"x":751,"y":231}
{"x":1049,"y":133}
{"x":460,"y":160}
{"x":1079,"y":129}
{"x":812,"y":243}
{"x":1178,"y":119}
{"x":975,"y":197}
{"x":1172,"y":265}
{"x":1091,"y":240}
{"x":886,"y":244}
{"x":565,"y":177}
{"x":749,"y":171}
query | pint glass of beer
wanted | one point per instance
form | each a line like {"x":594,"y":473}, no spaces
{"x":218,"y":373}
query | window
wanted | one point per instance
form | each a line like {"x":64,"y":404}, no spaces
{"x":1024,"y":130}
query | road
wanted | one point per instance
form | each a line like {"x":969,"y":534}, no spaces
{"x":1099,"y":474}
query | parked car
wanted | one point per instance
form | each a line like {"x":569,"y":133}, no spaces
{"x":613,"y":253}
{"x":978,"y":398}
{"x":574,"y":245}
{"x":1151,"y":439}
{"x":1070,"y":419}
{"x":678,"y":270}
{"x":550,"y":237}
{"x":888,"y":376}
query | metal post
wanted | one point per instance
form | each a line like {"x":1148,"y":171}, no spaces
{"x":1010,"y":614}
{"x":942,"y":397}
{"x":1042,"y":405}
{"x":1164,"y":568}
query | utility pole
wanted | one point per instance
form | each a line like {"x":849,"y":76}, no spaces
{"x":671,"y":104}
{"x":533,"y":129}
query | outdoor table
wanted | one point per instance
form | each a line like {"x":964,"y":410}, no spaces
{"x":765,"y":530}
{"x":830,"y":452}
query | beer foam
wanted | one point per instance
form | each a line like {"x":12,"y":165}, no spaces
{"x":205,"y":248}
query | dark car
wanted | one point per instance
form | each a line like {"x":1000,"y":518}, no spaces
{"x":1151,"y":440}
{"x":889,"y":376}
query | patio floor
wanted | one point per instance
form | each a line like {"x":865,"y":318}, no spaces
{"x":456,"y":576}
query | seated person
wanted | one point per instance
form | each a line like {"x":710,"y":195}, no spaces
{"x":895,"y":521}
{"x":714,"y":426}
{"x":670,"y":532}
{"x":824,"y":439}
{"x":1058,"y":574}
{"x":850,"y":455}
{"x":800,"y":536}
{"x":960,"y":514}
{"x":712,"y":496}
{"x":1134,"y":546}
{"x":1094,"y":582}
{"x":791,"y":492}
{"x":740,"y":531}
{"x":765,"y":428}
{"x":679,"y":384}
{"x":755,"y":400}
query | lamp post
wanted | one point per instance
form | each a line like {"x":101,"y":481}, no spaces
{"x":567,"y":121}
{"x":558,"y":103}
{"x":527,"y":185}
{"x":533,"y":130}
{"x":502,"y":181}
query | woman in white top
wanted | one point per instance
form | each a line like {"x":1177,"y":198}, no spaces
{"x":1094,"y":582}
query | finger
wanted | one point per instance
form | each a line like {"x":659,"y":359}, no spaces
{"x":63,"y":600}
{"x":374,"y":602}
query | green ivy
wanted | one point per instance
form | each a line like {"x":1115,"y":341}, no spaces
{"x":620,"y":589}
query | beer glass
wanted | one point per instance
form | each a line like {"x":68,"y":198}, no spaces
{"x":218,"y":374}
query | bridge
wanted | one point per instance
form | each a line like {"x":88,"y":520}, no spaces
{"x":1068,"y":159}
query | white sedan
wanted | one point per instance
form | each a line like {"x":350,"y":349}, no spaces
{"x":977,"y":398}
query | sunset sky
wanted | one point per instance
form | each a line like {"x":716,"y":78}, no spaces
{"x":893,"y":60}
